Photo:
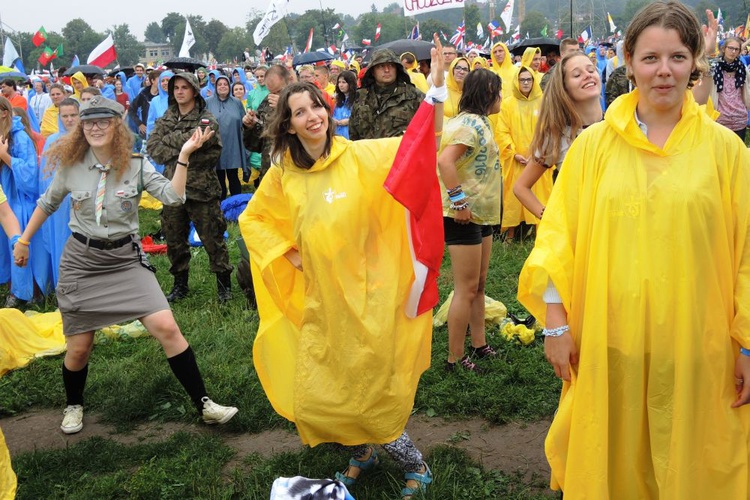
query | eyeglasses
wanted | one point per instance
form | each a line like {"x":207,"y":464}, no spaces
{"x":102,"y":124}
{"x":462,"y":69}
{"x":733,"y":49}
{"x":525,"y":80}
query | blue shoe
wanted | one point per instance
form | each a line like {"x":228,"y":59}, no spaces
{"x":423,"y":479}
{"x":362,"y":466}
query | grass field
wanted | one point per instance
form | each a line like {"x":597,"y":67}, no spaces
{"x":130,"y":383}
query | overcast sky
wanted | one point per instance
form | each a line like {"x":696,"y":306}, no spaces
{"x":53,"y":15}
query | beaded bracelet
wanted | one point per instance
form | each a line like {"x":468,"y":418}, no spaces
{"x":460,"y":206}
{"x":455,"y":198}
{"x":744,"y":351}
{"x":455,"y":190}
{"x":555,"y":332}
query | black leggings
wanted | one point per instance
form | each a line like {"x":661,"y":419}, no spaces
{"x":230,"y":174}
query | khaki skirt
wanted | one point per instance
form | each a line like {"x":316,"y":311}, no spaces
{"x":100,"y":288}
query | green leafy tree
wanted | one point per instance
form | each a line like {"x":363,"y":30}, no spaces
{"x":473,"y":16}
{"x":128,"y":48}
{"x":80,"y":38}
{"x":430,"y":26}
{"x":154,"y":33}
{"x":215,"y":31}
{"x":392,"y":27}
{"x":232,"y":44}
{"x":170,"y":23}
{"x":534,"y":23}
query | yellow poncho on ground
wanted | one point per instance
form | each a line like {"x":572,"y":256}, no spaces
{"x":514,"y":129}
{"x":7,"y":476}
{"x":335,"y":351}
{"x":649,"y":250}
{"x":22,"y":338}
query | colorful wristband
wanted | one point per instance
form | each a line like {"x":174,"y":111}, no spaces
{"x":745,"y":352}
{"x":555,"y":332}
{"x":14,"y":239}
{"x":22,"y":242}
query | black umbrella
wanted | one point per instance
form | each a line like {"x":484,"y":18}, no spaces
{"x":419,"y":48}
{"x":311,"y":58}
{"x":544,"y":44}
{"x":186,"y":63}
{"x":86,"y":69}
{"x":129,"y":71}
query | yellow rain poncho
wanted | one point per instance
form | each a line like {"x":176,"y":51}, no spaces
{"x":22,"y":338}
{"x":7,"y":476}
{"x":649,"y":250}
{"x":450,"y":107}
{"x":514,"y":129}
{"x":479,"y":62}
{"x":335,"y":351}
{"x":80,"y":77}
{"x":527,"y":57}
{"x":50,"y":124}
{"x":417,"y":78}
{"x":505,"y":70}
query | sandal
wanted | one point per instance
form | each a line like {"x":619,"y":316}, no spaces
{"x":422,"y":479}
{"x":362,"y":466}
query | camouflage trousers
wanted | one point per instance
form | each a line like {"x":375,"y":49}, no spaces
{"x":209,"y":224}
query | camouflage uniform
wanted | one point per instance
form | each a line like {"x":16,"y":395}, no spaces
{"x":383,"y":111}
{"x":202,"y":188}
{"x":617,"y":85}
{"x":253,"y":139}
{"x":545,"y":78}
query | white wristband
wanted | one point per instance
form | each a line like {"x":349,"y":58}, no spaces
{"x":437,"y":94}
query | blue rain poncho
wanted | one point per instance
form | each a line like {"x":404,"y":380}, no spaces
{"x":159,"y":104}
{"x":210,"y":88}
{"x":229,"y":113}
{"x":133,"y":86}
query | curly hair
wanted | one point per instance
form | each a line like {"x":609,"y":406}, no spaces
{"x":72,"y":148}
{"x":278,"y":130}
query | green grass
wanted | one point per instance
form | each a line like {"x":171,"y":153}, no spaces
{"x":193,"y":466}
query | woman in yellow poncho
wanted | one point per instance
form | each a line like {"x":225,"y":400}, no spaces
{"x":336,"y":352}
{"x":502,"y":64}
{"x":532,"y":59}
{"x":513,"y":133}
{"x":454,"y":81}
{"x":643,"y":251}
{"x":79,"y":82}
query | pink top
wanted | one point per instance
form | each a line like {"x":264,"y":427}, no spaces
{"x":731,"y":105}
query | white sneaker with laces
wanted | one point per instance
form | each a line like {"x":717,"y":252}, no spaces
{"x":216,"y":414}
{"x":72,"y":420}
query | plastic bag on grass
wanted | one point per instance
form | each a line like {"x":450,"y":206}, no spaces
{"x":132,"y":330}
{"x":494,"y":311}
{"x":302,"y":488}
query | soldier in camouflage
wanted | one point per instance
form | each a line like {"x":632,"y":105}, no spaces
{"x":387,"y":100}
{"x":277,"y":77}
{"x":617,"y":85}
{"x":187,"y":110}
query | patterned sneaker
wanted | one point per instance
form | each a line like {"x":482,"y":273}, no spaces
{"x":483,"y":352}
{"x":217,"y":414}
{"x":73,"y":419}
{"x":465,"y":363}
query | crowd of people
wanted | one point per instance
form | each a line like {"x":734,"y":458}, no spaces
{"x":625,"y":161}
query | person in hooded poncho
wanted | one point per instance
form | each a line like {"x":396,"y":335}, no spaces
{"x":228,"y":111}
{"x":337,"y":352}
{"x":454,"y":81}
{"x":79,"y":82}
{"x":159,"y":104}
{"x":532,"y":60}
{"x":134,"y":84}
{"x":502,"y":64}
{"x":256,"y":96}
{"x":514,"y":131}
{"x":410,"y":64}
{"x":19,"y":180}
{"x":641,"y":274}
{"x":55,"y":230}
{"x":210,"y":88}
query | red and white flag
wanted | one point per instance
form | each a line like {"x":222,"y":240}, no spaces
{"x":377,"y":32}
{"x":104,"y":53}
{"x":366,"y":41}
{"x":308,"y":46}
{"x":413,"y":182}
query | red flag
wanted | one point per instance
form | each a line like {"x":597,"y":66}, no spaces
{"x":559,"y":34}
{"x":39,"y":37}
{"x":308,"y":46}
{"x":46,"y":56}
{"x":377,"y":32}
{"x":413,"y":182}
{"x":104,"y":53}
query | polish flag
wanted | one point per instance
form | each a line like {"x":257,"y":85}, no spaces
{"x":413,"y":182}
{"x":104,"y":53}
{"x":377,"y":32}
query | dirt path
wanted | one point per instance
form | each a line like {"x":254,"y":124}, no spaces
{"x":510,"y":448}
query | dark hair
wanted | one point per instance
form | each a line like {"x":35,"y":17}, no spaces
{"x":481,"y":90}
{"x":235,"y":84}
{"x":670,"y":16}
{"x":278,"y":129}
{"x":350,"y":78}
{"x":10,"y":82}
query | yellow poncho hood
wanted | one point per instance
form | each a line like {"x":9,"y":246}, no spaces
{"x":79,"y":77}
{"x":450,"y":107}
{"x":416,"y":77}
{"x":479,"y":62}
{"x":527,"y":57}
{"x":536,"y":89}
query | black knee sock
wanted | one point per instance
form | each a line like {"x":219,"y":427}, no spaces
{"x":74,"y":383}
{"x":186,"y":370}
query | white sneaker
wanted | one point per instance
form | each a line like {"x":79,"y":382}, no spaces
{"x":217,"y":414}
{"x":73,"y":419}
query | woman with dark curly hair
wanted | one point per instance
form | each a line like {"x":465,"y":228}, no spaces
{"x":105,"y":277}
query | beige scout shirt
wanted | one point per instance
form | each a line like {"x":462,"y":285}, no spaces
{"x":120,"y":208}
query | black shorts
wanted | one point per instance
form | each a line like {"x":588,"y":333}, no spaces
{"x":464,"y":234}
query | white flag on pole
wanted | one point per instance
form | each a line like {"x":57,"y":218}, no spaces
{"x":276,"y":10}
{"x":10,"y":55}
{"x":187,"y":41}
{"x":507,"y":15}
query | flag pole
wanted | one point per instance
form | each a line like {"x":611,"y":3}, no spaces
{"x":571,"y":19}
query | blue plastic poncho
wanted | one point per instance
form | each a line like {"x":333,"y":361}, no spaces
{"x":229,"y":113}
{"x":210,"y":88}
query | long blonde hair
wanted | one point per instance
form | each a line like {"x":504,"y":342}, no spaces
{"x":72,"y":148}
